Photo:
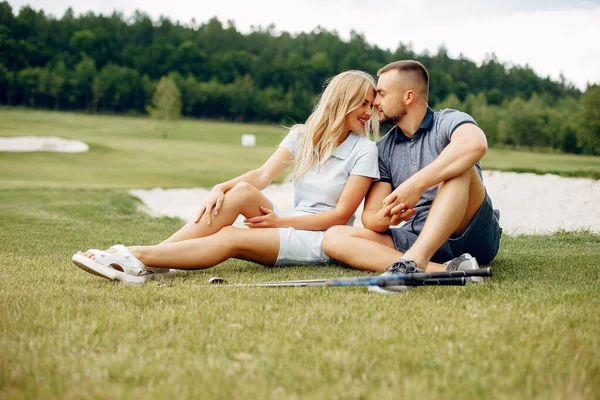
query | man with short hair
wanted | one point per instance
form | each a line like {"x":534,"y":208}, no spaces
{"x":430,"y":178}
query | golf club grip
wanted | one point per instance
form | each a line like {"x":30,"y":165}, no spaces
{"x":430,"y":282}
{"x":448,"y":274}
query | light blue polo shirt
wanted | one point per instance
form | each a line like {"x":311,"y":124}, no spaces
{"x":320,"y":188}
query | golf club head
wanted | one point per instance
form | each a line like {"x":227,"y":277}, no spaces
{"x":216,"y":280}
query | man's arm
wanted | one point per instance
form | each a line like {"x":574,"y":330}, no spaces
{"x":373,"y":215}
{"x":467,"y":146}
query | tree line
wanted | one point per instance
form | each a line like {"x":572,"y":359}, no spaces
{"x":112,"y":63}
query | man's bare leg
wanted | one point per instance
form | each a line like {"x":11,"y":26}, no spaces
{"x":363,"y":249}
{"x":454,"y":207}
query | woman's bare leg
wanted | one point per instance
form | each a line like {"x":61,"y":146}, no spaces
{"x":243,"y":199}
{"x":257,"y":245}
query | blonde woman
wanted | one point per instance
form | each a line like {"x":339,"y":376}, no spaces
{"x":334,"y":163}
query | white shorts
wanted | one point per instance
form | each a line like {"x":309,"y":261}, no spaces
{"x":299,"y":247}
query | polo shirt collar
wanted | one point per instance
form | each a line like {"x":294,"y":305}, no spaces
{"x":425,"y":126}
{"x":344,"y":149}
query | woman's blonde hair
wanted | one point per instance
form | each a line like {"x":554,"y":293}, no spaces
{"x":319,"y":136}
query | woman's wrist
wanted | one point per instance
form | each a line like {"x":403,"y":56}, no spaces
{"x":282,"y":222}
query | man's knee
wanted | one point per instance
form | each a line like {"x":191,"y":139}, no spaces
{"x":463,"y":179}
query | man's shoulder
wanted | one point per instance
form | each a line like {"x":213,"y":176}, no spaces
{"x":450,"y":116}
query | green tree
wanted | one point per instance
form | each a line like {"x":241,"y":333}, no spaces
{"x":264,"y":75}
{"x":486,"y":116}
{"x":526,"y":123}
{"x":5,"y":83}
{"x":441,"y":85}
{"x":119,"y":89}
{"x":28,"y":81}
{"x":452,"y":101}
{"x":516,"y":122}
{"x":58,"y":79}
{"x":166,"y":103}
{"x":244,"y":99}
{"x":82,"y":79}
{"x":588,"y":137}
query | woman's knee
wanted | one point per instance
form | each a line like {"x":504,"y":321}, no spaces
{"x":239,"y":195}
{"x":230,"y":239}
{"x":242,"y":189}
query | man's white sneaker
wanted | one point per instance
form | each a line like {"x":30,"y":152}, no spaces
{"x":465,"y":262}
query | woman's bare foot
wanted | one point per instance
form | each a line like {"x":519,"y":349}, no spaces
{"x":91,"y":256}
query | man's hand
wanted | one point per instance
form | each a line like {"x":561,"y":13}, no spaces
{"x":213,"y":204}
{"x":268,"y":220}
{"x":386,"y":217}
{"x":398,"y":205}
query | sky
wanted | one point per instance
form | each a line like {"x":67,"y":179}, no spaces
{"x":553,"y":37}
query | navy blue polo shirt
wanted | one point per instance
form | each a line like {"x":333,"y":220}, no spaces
{"x":400,"y":157}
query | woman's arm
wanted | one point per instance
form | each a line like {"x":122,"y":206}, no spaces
{"x":261,"y":177}
{"x":353,"y":193}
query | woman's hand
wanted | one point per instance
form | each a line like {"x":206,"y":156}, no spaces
{"x":212,"y":205}
{"x":399,"y":204}
{"x":268,"y":220}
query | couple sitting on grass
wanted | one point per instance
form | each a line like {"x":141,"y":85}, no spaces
{"x":424,"y":172}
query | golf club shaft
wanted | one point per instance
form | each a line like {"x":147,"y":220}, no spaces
{"x":372,"y":281}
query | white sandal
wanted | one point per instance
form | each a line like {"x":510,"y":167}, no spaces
{"x":120,"y":266}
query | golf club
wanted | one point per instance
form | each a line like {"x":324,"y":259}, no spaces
{"x":442,"y":278}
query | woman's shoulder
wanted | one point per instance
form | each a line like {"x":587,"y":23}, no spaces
{"x":364,"y":142}
{"x":297,"y":130}
{"x":364,"y":146}
{"x":291,"y":140}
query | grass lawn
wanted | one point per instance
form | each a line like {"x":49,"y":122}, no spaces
{"x":530,"y":331}
{"x":130,"y":152}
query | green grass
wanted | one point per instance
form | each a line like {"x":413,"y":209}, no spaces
{"x":570,"y":165}
{"x":530,"y":331}
{"x":129,"y":152}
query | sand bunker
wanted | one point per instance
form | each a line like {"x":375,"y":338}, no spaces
{"x":528,"y":203}
{"x":42,"y":143}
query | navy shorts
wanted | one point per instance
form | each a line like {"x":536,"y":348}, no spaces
{"x":481,"y":239}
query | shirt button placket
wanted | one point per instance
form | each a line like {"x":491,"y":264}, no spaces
{"x":413,"y":156}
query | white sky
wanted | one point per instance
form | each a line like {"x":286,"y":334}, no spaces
{"x":551,"y":36}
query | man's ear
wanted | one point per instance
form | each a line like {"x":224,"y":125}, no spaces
{"x":409,"y":97}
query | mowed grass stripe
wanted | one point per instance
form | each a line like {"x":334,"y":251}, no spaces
{"x":130,"y":152}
